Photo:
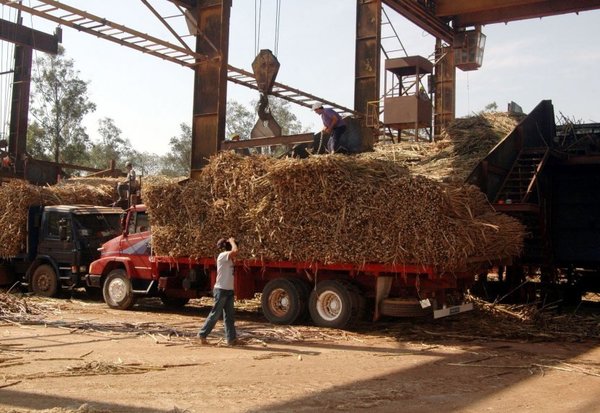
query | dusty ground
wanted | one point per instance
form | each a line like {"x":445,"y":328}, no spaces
{"x":79,"y":355}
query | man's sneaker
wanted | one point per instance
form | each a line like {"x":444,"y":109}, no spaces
{"x":203,"y":340}
{"x":233,"y":342}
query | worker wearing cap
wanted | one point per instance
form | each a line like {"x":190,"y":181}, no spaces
{"x":333,"y":124}
{"x":223,"y":293}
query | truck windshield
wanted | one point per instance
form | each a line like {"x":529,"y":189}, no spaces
{"x":97,"y":225}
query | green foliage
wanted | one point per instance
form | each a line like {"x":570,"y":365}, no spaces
{"x":111,"y":146}
{"x":280,"y":109}
{"x":59,"y":104}
{"x":179,"y":160}
{"x":491,"y":107}
{"x":239,"y":119}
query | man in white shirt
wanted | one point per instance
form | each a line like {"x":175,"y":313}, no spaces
{"x":223,"y":293}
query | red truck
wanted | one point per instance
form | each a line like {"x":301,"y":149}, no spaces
{"x":335,"y":295}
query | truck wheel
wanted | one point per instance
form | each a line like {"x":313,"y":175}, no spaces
{"x":44,"y":281}
{"x":331,"y":304}
{"x":281,"y":301}
{"x":304,"y":289}
{"x":174,"y":302}
{"x":117,"y":290}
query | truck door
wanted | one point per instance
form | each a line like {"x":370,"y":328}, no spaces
{"x":136,"y":245}
{"x":56,"y":240}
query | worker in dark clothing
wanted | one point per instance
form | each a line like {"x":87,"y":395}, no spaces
{"x":333,"y":125}
{"x":128,"y":185}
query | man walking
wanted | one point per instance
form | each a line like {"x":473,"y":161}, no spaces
{"x":223,"y":293}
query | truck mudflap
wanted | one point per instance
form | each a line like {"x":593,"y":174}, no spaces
{"x":452,"y":310}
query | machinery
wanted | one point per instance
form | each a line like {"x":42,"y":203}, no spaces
{"x":547,"y":176}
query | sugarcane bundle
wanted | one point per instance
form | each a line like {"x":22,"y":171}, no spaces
{"x":461,"y":146}
{"x":327,"y":209}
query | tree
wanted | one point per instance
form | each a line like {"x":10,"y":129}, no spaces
{"x":491,"y":107}
{"x":59,"y":104}
{"x":179,"y":160}
{"x":147,"y":163}
{"x":239,"y":119}
{"x":280,"y":109}
{"x":112,"y":146}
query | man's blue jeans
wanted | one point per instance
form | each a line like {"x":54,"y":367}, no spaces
{"x":223,"y":304}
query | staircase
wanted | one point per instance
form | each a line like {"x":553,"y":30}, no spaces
{"x":522,"y":178}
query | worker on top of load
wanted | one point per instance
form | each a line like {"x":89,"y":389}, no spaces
{"x":242,"y":151}
{"x":333,"y":124}
{"x":129,"y":184}
{"x":223,"y":293}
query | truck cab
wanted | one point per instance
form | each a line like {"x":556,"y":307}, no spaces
{"x":127,"y":269}
{"x":62,"y":241}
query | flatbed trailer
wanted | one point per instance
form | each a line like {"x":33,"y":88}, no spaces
{"x":334,"y":294}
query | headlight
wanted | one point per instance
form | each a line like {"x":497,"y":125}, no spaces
{"x":83,"y":269}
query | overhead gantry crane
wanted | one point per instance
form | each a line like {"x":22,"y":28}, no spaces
{"x":443,"y":19}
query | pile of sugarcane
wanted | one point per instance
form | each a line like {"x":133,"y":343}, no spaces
{"x":327,"y":209}
{"x":462,"y":145}
{"x":17,"y":196}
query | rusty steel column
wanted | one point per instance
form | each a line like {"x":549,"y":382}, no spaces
{"x":210,"y":82}
{"x":367,"y":60}
{"x":17,"y":141}
{"x":445,"y":88}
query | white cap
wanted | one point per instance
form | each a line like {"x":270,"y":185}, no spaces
{"x":317,"y":105}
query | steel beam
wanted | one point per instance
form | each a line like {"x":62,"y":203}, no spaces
{"x":17,"y":140}
{"x":527,"y":9}
{"x":274,"y":140}
{"x":210,"y":80}
{"x":423,"y":17}
{"x":367,"y":58}
{"x":445,"y":88}
{"x":24,"y":36}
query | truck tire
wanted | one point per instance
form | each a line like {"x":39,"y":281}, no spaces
{"x":304,"y":289}
{"x":331,"y":304}
{"x":117,"y":290}
{"x":174,"y":302}
{"x":44,"y":281}
{"x":281,"y":301}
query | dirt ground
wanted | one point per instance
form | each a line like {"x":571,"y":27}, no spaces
{"x":81,"y":356}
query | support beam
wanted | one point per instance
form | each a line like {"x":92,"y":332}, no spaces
{"x":526,"y":10}
{"x":24,"y":36}
{"x":210,"y":81}
{"x":367,"y":59}
{"x":445,"y":88}
{"x":423,"y":17}
{"x":25,"y":40}
{"x":17,"y":138}
{"x":274,"y":140}
{"x":449,"y":8}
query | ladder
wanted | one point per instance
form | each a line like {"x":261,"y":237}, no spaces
{"x":522,"y":178}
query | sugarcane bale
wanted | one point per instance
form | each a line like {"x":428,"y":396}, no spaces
{"x":329,"y":209}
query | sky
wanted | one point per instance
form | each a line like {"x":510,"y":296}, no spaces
{"x":556,"y":58}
